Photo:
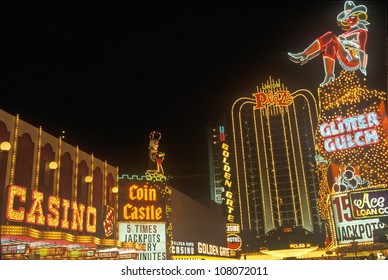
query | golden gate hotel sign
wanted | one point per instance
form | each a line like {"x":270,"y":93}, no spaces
{"x":227,"y":183}
{"x":232,"y":237}
{"x":191,"y":250}
{"x":143,"y":218}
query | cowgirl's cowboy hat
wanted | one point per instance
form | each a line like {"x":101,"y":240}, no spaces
{"x":349,"y":9}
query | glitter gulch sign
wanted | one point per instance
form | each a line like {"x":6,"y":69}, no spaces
{"x":352,"y":132}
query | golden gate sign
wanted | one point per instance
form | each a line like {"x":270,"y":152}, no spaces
{"x":228,"y":183}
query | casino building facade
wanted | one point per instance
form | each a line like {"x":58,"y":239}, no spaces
{"x":53,"y":196}
{"x":58,"y":202}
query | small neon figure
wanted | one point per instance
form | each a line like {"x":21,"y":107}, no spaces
{"x":154,"y":155}
{"x":348,"y":48}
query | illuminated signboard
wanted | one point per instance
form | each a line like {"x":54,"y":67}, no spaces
{"x":234,"y":241}
{"x":140,"y":202}
{"x":353,"y":127}
{"x":369,"y":204}
{"x":199,"y":248}
{"x":52,"y":251}
{"x":232,"y":228}
{"x":153,"y":235}
{"x":348,"y":47}
{"x":212,"y":250}
{"x":80,"y":253}
{"x":352,"y":132}
{"x":183,"y":248}
{"x":132,"y":256}
{"x":107,"y":255}
{"x":228,"y":183}
{"x":13,"y":249}
{"x":26,"y":206}
{"x":348,"y":229}
{"x":299,"y":245}
{"x":272,"y":95}
{"x":144,"y":210}
{"x":352,"y":142}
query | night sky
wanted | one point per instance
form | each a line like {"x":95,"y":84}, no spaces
{"x":109,"y":73}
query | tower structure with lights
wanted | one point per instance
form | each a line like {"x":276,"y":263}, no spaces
{"x":272,"y":147}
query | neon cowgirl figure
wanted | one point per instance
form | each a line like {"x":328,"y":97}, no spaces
{"x":348,"y":48}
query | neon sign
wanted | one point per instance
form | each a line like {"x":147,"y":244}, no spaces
{"x":348,"y":229}
{"x":369,"y":204}
{"x":227,"y":182}
{"x":142,"y":193}
{"x":57,"y":211}
{"x":299,"y":245}
{"x":349,"y":47}
{"x":222,"y":133}
{"x":53,"y":251}
{"x":182,"y":248}
{"x":234,"y":241}
{"x":148,"y":212}
{"x":14,"y":249}
{"x":212,"y":250}
{"x":348,"y":133}
{"x":232,"y":228}
{"x":278,"y":98}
